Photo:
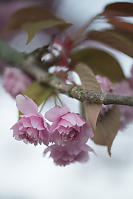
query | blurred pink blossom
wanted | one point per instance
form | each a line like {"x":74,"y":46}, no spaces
{"x":15,"y":81}
{"x":131,"y":78}
{"x":106,"y":87}
{"x":67,"y":127}
{"x":64,"y":155}
{"x":123,"y":88}
{"x":31,"y":128}
{"x":105,"y":84}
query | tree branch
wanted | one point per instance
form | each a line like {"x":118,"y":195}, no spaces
{"x":29,"y":65}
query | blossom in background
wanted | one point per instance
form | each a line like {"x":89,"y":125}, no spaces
{"x":126,"y":112}
{"x":124,"y":88}
{"x":131,"y":78}
{"x":107,"y":87}
{"x":64,"y":155}
{"x":67,"y":127}
{"x":31,"y":128}
{"x":15,"y":81}
{"x":105,"y":84}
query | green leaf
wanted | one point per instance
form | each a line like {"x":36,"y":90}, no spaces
{"x":100,"y":62}
{"x":33,"y":28}
{"x":34,"y":19}
{"x":38,"y":93}
{"x":89,"y":82}
{"x":113,"y":39}
{"x":107,"y":128}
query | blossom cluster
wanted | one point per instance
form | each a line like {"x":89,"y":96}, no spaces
{"x":107,"y":87}
{"x":65,"y":137}
{"x":64,"y":133}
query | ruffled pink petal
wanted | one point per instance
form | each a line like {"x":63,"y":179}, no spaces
{"x":64,"y":123}
{"x":79,"y":120}
{"x":26,"y":105}
{"x":44,"y":137}
{"x":86,"y":147}
{"x":56,"y":112}
{"x":87,"y":131}
{"x":17,"y":126}
{"x":37,"y":122}
{"x":74,"y":119}
{"x":26,"y":122}
{"x":64,"y":155}
{"x":73,"y":148}
{"x":82,"y":157}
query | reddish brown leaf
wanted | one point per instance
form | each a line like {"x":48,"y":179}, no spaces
{"x":107,"y":128}
{"x":119,"y":9}
{"x":122,"y":25}
{"x":34,"y":19}
{"x":114,"y":40}
{"x":124,"y":33}
{"x":100,"y":61}
{"x":91,"y":112}
{"x":89,"y":83}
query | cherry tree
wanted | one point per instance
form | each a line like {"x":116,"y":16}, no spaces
{"x":104,"y":92}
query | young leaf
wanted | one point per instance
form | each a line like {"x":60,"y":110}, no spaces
{"x":107,"y":128}
{"x":101,"y":62}
{"x":34,"y":19}
{"x":119,"y":9}
{"x":89,"y":83}
{"x":114,"y":40}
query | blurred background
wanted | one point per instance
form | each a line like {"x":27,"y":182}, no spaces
{"x":26,"y":174}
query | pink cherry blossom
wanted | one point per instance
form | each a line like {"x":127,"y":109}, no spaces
{"x":31,"y":128}
{"x":67,"y":127}
{"x":105,"y":84}
{"x":107,"y":87}
{"x":15,"y":81}
{"x":64,"y":155}
{"x":126,"y":112}
{"x":122,"y":88}
{"x":131,"y":78}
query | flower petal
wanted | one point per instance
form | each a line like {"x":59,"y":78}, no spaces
{"x":74,"y":119}
{"x":26,"y":122}
{"x":37,"y":122}
{"x":26,"y":105}
{"x":82,"y":157}
{"x":56,"y":112}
